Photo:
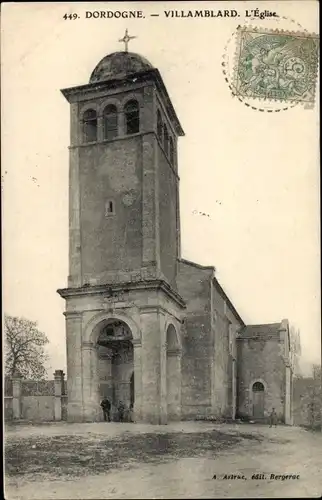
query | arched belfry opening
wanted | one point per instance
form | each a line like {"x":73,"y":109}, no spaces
{"x":173,"y":374}
{"x":258,"y":391}
{"x":116,"y":368}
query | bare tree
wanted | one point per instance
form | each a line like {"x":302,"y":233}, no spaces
{"x":24,"y":348}
{"x":295,"y":350}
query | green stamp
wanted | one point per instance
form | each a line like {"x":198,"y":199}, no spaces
{"x":276,"y":65}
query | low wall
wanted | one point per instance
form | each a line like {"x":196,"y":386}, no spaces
{"x":36,"y":400}
{"x":307,"y":402}
{"x":8,"y":412}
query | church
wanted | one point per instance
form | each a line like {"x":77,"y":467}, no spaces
{"x":145,"y":326}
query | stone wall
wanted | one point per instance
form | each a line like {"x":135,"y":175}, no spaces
{"x":226,"y":322}
{"x":209,"y":364}
{"x":307,"y":402}
{"x":108,"y":172}
{"x":167,"y":217}
{"x":194,"y":286}
{"x":36,"y":400}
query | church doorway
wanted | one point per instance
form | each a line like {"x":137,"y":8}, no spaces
{"x":116,"y":368}
{"x":258,"y":400}
{"x":173,"y":375}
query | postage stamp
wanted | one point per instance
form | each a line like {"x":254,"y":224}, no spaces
{"x":276,"y":65}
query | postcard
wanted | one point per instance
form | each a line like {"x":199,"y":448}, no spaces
{"x":161,"y":250}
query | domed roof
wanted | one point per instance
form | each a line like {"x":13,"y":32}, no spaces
{"x":118,"y":65}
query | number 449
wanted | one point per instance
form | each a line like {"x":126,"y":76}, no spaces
{"x":71,"y":17}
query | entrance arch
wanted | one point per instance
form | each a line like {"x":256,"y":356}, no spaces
{"x":258,"y":393}
{"x":95,"y":324}
{"x":116,"y":364}
{"x":173,"y":374}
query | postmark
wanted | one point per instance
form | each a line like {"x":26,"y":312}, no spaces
{"x":276,"y":65}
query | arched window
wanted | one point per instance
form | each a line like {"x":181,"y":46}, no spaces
{"x":110,"y":122}
{"x":166,"y":140}
{"x":159,"y":125}
{"x":90,"y":126}
{"x":171,"y":152}
{"x":258,"y":387}
{"x":109,"y":208}
{"x":132,"y":117}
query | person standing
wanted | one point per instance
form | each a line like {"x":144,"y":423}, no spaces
{"x":273,"y":418}
{"x":121,"y":409}
{"x":106,"y":407}
{"x":131,"y":413}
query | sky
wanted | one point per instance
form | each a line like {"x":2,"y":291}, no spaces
{"x":255,"y":175}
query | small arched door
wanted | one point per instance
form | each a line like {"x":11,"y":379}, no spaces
{"x":258,"y":399}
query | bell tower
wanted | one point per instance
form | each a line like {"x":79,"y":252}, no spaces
{"x":124,"y":203}
{"x":124,"y":228}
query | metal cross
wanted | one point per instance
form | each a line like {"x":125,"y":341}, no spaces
{"x":126,"y":38}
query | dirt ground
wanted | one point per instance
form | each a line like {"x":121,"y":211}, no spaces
{"x":182,"y":460}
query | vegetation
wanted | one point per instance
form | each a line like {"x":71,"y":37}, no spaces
{"x":77,"y":455}
{"x":24,"y":344}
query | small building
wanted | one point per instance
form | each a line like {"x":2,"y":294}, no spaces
{"x":264,"y":371}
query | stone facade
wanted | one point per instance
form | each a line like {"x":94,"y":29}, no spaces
{"x":143,"y":325}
